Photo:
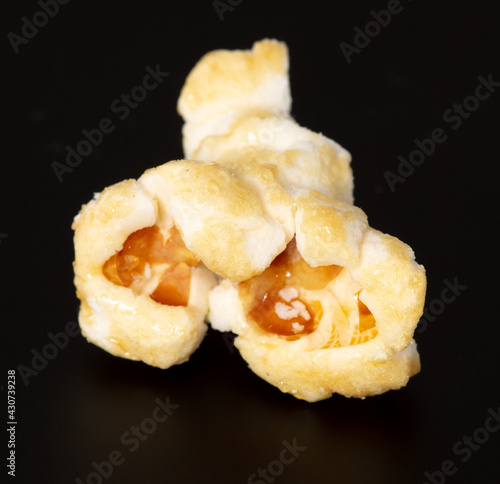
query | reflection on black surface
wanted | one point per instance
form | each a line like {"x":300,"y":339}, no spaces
{"x":229,"y":423}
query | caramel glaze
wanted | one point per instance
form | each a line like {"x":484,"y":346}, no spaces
{"x":148,"y":246}
{"x":272,"y":300}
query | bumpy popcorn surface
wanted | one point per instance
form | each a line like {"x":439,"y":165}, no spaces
{"x":257,"y":233}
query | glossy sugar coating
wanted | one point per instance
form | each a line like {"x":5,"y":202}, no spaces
{"x":222,"y":219}
{"x":122,"y":317}
{"x":353,"y":336}
{"x":236,"y":107}
{"x":362,"y":342}
{"x":257,"y":232}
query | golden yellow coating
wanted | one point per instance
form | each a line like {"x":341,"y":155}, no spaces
{"x":378,"y":269}
{"x":301,"y":158}
{"x":394,"y":285}
{"x":255,"y":181}
{"x":231,"y":77}
{"x":119,"y":319}
{"x":314,"y":375}
{"x":241,"y":118}
{"x":304,"y":181}
{"x":222,"y":220}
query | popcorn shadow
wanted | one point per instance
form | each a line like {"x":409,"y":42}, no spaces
{"x":223,"y":404}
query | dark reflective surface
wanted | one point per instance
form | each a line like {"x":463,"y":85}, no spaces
{"x":84,"y":408}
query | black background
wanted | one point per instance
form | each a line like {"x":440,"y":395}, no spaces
{"x":229,"y":423}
